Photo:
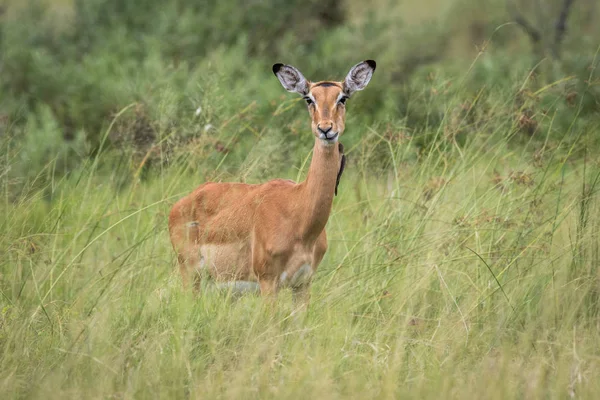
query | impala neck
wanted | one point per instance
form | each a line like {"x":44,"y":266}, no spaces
{"x":318,"y":189}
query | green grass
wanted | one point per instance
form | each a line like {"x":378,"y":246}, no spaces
{"x":464,"y":242}
{"x":465,"y":273}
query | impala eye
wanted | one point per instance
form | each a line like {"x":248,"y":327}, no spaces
{"x":342,"y":100}
{"x":308,"y":100}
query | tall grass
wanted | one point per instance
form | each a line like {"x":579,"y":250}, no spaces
{"x":463,"y":270}
{"x":463,"y":258}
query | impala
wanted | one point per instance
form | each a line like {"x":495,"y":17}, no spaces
{"x":267,"y":236}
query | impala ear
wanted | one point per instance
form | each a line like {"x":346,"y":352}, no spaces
{"x":359,"y":76}
{"x":291,"y":79}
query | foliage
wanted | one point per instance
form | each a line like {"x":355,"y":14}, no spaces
{"x":463,"y":258}
{"x":464,"y":272}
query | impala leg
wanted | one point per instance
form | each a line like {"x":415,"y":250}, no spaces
{"x":268,"y":291}
{"x":301,"y":296}
{"x":268,"y":287}
{"x":301,"y":292}
{"x":189,"y":267}
{"x":184,"y":237}
{"x":264,"y":267}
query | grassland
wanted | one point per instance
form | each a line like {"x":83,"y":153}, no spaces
{"x":464,"y":253}
{"x":470,"y":274}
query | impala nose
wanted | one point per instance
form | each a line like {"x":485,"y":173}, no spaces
{"x":325,"y":128}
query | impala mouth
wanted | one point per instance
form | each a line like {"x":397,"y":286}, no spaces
{"x":330,"y":137}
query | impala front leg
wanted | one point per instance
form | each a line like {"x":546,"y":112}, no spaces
{"x":262,"y":265}
{"x":301,"y":288}
{"x":301,"y":296}
{"x":268,"y":287}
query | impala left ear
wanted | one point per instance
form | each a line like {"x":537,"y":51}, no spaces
{"x":359,"y":76}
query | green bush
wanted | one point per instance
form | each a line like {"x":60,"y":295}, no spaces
{"x":161,"y":62}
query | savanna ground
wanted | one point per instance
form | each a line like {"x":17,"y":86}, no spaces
{"x":464,"y":243}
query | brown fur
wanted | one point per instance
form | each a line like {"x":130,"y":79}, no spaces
{"x":246,"y":232}
{"x":326,"y":113}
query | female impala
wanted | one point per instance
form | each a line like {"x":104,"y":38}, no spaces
{"x":270,"y":235}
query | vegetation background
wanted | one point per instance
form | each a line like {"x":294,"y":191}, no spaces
{"x":464,"y":250}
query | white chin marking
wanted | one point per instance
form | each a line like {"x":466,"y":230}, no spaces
{"x":328,"y":142}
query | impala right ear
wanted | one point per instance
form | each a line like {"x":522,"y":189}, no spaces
{"x":291,"y":79}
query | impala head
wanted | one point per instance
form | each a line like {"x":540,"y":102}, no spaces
{"x":327,"y":99}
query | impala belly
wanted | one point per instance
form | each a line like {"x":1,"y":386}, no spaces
{"x":227,"y":261}
{"x":229,"y":265}
{"x":239,"y":287}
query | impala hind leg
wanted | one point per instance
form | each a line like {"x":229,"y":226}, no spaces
{"x":190,"y":267}
{"x":184,"y":237}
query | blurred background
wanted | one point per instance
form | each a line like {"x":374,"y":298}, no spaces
{"x":195,"y":76}
{"x":464,"y":244}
